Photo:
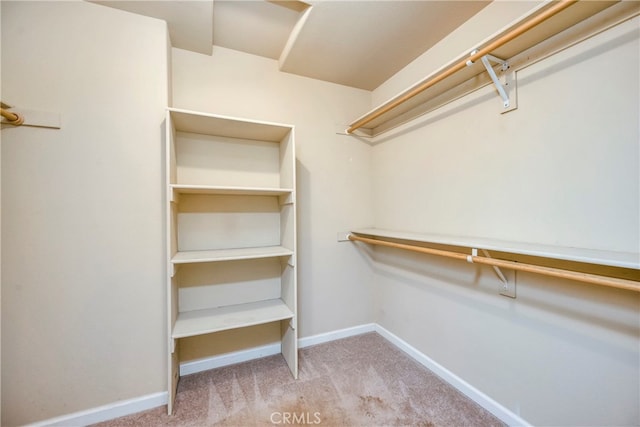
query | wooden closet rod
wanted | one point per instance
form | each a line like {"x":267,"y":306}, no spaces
{"x":594,"y":279}
{"x":502,"y":40}
{"x":12,"y":118}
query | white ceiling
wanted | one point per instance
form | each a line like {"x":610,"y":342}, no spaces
{"x":358,"y":43}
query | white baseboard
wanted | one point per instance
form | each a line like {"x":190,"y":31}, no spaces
{"x":193,"y":367}
{"x":131,"y":406}
{"x":336,"y":335}
{"x":504,"y":414}
{"x":107,"y":412}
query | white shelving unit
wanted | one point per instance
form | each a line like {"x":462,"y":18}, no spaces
{"x":231,"y":230}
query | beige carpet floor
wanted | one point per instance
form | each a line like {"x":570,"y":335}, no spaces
{"x":357,"y":381}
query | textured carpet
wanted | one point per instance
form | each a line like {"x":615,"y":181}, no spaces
{"x":357,"y":381}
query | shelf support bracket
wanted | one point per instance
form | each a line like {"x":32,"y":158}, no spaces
{"x":498,"y":84}
{"x":508,"y":289}
{"x":504,"y":66}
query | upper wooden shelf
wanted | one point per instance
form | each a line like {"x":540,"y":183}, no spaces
{"x":574,"y":23}
{"x":231,"y":127}
{"x":590,"y":256}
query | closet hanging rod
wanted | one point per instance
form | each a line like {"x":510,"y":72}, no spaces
{"x":479,"y":53}
{"x":12,"y":118}
{"x":593,"y":279}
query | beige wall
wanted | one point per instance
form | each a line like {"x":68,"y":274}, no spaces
{"x":562,"y":169}
{"x":82,"y":260}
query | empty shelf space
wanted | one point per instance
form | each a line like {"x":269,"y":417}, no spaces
{"x":230,"y":254}
{"x":227,"y":190}
{"x":191,"y":323}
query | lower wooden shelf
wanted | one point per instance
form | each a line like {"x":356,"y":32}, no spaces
{"x":199,"y":322}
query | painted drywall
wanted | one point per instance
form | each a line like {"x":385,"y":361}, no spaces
{"x":333,"y":180}
{"x":562,"y":169}
{"x":83,"y":304}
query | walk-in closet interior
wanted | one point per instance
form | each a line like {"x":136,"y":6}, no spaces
{"x":451,"y":186}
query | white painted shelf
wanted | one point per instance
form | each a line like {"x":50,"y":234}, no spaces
{"x":187,"y":257}
{"x":231,"y":127}
{"x":236,"y":191}
{"x":590,"y":256}
{"x":198,"y":322}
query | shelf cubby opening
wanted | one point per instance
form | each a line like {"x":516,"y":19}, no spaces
{"x":214,"y":222}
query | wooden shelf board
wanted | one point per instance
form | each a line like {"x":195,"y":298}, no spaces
{"x":186,"y":257}
{"x":247,"y":191}
{"x":201,"y":322}
{"x":231,"y":127}
{"x":590,"y":256}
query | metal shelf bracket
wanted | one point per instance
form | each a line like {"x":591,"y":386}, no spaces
{"x":501,"y":87}
{"x":508,"y":288}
